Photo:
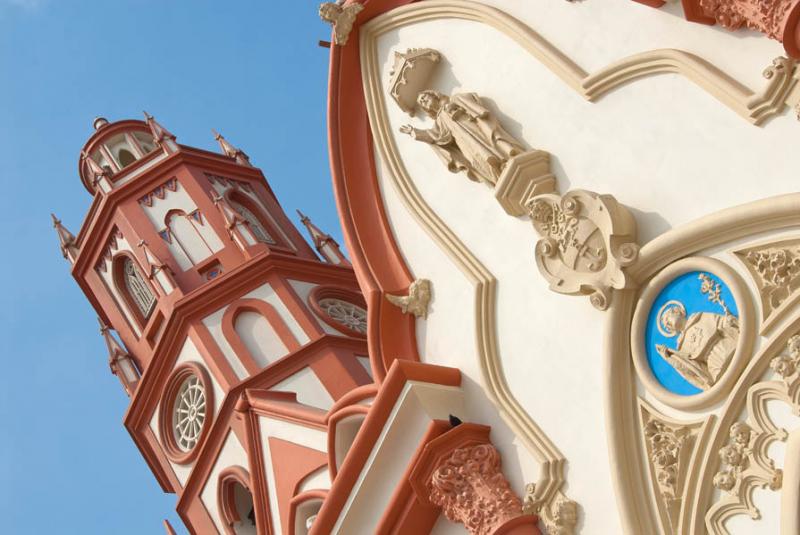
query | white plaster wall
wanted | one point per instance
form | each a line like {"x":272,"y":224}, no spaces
{"x":213,"y":323}
{"x":188,"y":353}
{"x":410,"y":418}
{"x":308,"y":387}
{"x":259,"y":338}
{"x":364,"y":361}
{"x":290,"y":432}
{"x":231,"y":454}
{"x":265,"y":337}
{"x":303,"y":290}
{"x":267,"y":293}
{"x":660,"y":145}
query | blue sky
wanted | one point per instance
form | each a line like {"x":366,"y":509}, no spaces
{"x":251,"y":69}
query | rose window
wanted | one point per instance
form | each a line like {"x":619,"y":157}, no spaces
{"x":351,"y":316}
{"x":189,"y":413}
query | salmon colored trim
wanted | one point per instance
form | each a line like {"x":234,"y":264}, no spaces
{"x":178,"y":376}
{"x":255,"y":458}
{"x":334,"y":292}
{"x":405,"y":513}
{"x":401,"y":372}
{"x":309,"y":323}
{"x":267,"y":378}
{"x":284,"y":405}
{"x":273,"y":318}
{"x":353,"y":397}
{"x":291,"y":464}
{"x":300,"y":499}
{"x":207,"y":346}
{"x":376,"y":259}
{"x":226,"y":500}
{"x":333,"y":422}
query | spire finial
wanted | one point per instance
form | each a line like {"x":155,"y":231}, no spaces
{"x":159,"y":132}
{"x":323,"y":242}
{"x":231,"y":151}
{"x":66,"y":240}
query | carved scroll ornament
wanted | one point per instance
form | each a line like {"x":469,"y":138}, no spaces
{"x":341,"y":17}
{"x":587,"y":241}
{"x":417,"y":300}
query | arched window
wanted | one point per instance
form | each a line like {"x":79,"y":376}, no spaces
{"x":235,"y":502}
{"x":125,"y":157}
{"x":257,"y":226}
{"x":134,"y":287}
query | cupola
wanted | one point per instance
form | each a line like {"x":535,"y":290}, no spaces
{"x":116,"y":150}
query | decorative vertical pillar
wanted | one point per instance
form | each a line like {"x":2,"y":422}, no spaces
{"x":460,"y":472}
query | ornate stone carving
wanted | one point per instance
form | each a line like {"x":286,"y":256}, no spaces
{"x":410,"y":74}
{"x":587,"y":241}
{"x":341,"y":17}
{"x":466,"y":135}
{"x":706,"y":340}
{"x":559,"y":518}
{"x":471,"y":490}
{"x":744,"y":462}
{"x":459,"y":471}
{"x":775,"y":268}
{"x":669,"y":447}
{"x":416,"y":302}
{"x":776,"y":18}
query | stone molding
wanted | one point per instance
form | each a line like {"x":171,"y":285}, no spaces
{"x":551,"y":461}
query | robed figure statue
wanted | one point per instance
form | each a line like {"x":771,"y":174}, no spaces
{"x":466,"y":135}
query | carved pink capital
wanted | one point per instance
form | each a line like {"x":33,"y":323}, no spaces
{"x":460,"y":472}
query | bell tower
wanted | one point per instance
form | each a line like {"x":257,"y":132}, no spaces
{"x":212,"y":292}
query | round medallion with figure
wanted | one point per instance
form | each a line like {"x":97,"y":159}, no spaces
{"x":689,"y":332}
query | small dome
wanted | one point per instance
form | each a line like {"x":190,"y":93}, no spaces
{"x":99,"y":122}
{"x":112,"y":148}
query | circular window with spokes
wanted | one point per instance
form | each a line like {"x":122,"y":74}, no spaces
{"x":185,"y":411}
{"x":340,"y":308}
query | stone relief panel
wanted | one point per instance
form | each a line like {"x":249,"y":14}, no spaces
{"x":744,"y":462}
{"x":775,"y":269}
{"x":586,"y":241}
{"x":671,"y":449}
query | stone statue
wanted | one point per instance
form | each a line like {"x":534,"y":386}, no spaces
{"x":341,"y":17}
{"x":466,"y":135}
{"x":706,"y":342}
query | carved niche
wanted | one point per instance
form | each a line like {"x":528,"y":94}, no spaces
{"x":587,"y":240}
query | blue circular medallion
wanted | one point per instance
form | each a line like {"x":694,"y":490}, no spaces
{"x":692,"y":332}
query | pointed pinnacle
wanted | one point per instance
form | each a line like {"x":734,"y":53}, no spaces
{"x":56,"y":221}
{"x":303,"y":217}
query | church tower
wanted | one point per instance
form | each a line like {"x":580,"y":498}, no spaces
{"x":212,"y":303}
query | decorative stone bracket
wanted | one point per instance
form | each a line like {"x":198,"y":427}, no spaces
{"x":417,"y":300}
{"x":460,"y":472}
